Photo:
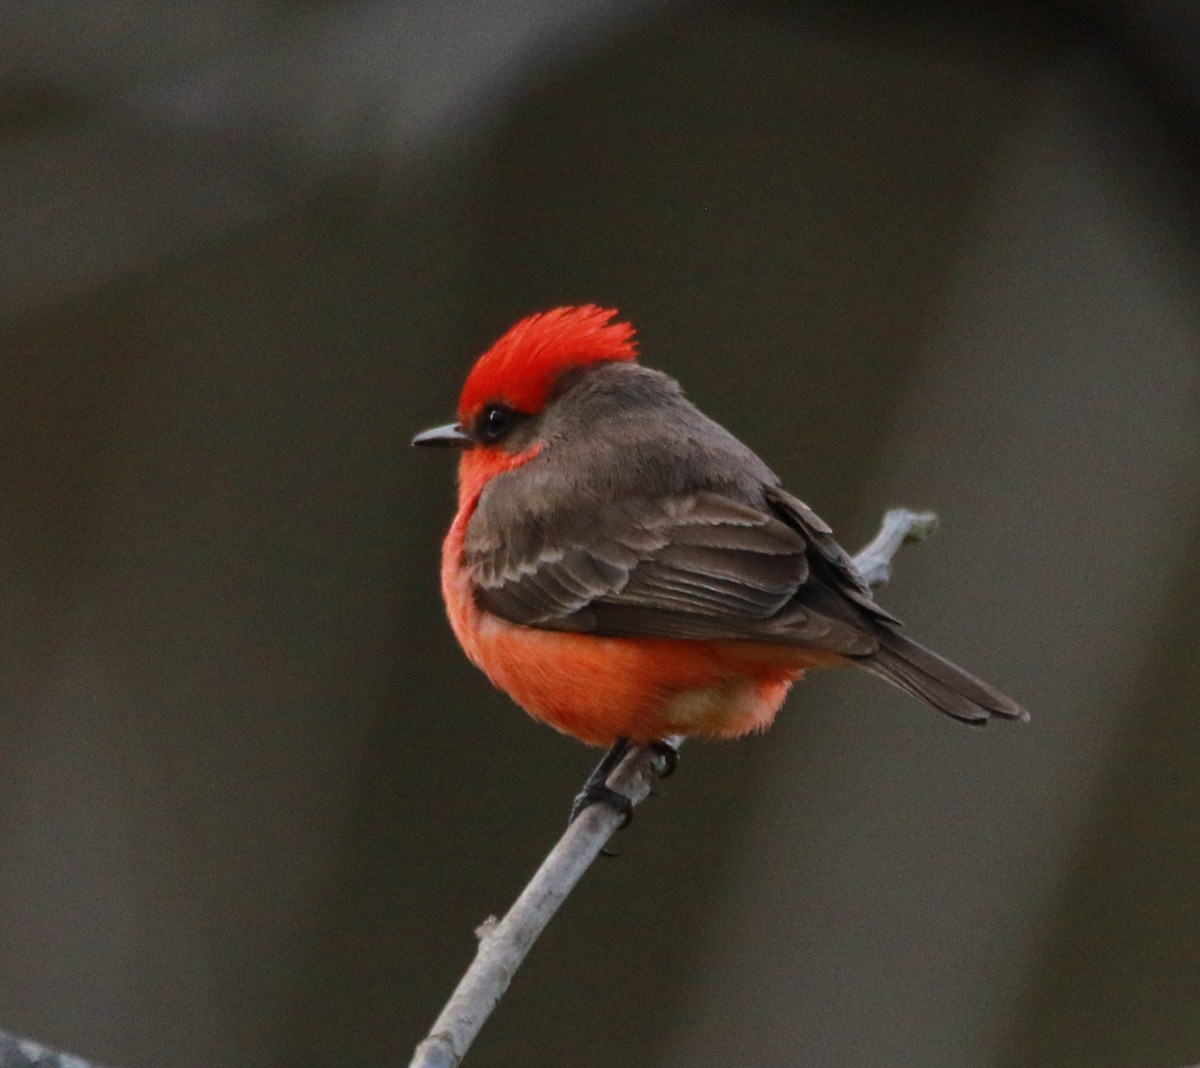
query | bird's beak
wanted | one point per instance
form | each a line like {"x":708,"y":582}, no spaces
{"x":450,"y":434}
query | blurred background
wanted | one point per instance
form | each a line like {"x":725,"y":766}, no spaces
{"x":253,"y":800}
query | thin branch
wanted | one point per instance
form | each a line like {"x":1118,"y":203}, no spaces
{"x":22,"y":1053}
{"x":504,"y":943}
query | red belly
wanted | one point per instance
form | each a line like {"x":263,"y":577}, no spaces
{"x":644,"y":689}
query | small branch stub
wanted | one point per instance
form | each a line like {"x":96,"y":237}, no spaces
{"x":899,"y":527}
{"x":504,"y":943}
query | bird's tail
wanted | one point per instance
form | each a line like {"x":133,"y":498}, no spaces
{"x":936,"y":681}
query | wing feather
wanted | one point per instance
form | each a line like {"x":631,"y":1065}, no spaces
{"x":699,"y":565}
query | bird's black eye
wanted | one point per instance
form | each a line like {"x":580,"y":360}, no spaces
{"x":495,"y":422}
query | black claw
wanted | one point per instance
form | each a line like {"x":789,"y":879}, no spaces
{"x":597,"y":791}
{"x":670,"y":758}
{"x":600,"y":794}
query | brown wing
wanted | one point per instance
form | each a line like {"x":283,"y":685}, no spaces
{"x":697,"y":566}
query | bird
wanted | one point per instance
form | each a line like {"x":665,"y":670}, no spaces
{"x":630,"y":573}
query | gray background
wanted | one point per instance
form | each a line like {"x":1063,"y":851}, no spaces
{"x":252,"y":798}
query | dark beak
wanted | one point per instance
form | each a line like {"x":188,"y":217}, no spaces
{"x":450,"y":434}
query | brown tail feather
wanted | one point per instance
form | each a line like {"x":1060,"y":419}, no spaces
{"x":945,"y":686}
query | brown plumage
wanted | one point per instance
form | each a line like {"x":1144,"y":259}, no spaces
{"x":657,"y":522}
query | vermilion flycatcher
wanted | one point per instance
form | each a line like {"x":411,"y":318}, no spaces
{"x":627,"y":570}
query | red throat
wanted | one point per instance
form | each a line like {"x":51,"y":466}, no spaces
{"x":479,"y":466}
{"x":521,"y":368}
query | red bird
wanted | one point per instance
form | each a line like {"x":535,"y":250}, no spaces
{"x":627,"y":570}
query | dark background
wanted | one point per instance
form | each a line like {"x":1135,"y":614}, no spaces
{"x":253,"y":800}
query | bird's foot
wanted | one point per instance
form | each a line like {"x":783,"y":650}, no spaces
{"x":669,"y":756}
{"x":602,"y":794}
{"x":597,"y":791}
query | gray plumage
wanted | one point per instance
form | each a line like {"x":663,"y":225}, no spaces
{"x":643,"y":517}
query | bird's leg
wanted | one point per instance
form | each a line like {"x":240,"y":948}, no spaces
{"x":597,"y":791}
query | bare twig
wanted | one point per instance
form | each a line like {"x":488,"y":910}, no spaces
{"x":504,"y":943}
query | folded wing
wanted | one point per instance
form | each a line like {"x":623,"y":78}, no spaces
{"x":698,"y":566}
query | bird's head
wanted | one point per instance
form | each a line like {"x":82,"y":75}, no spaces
{"x":511,"y":382}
